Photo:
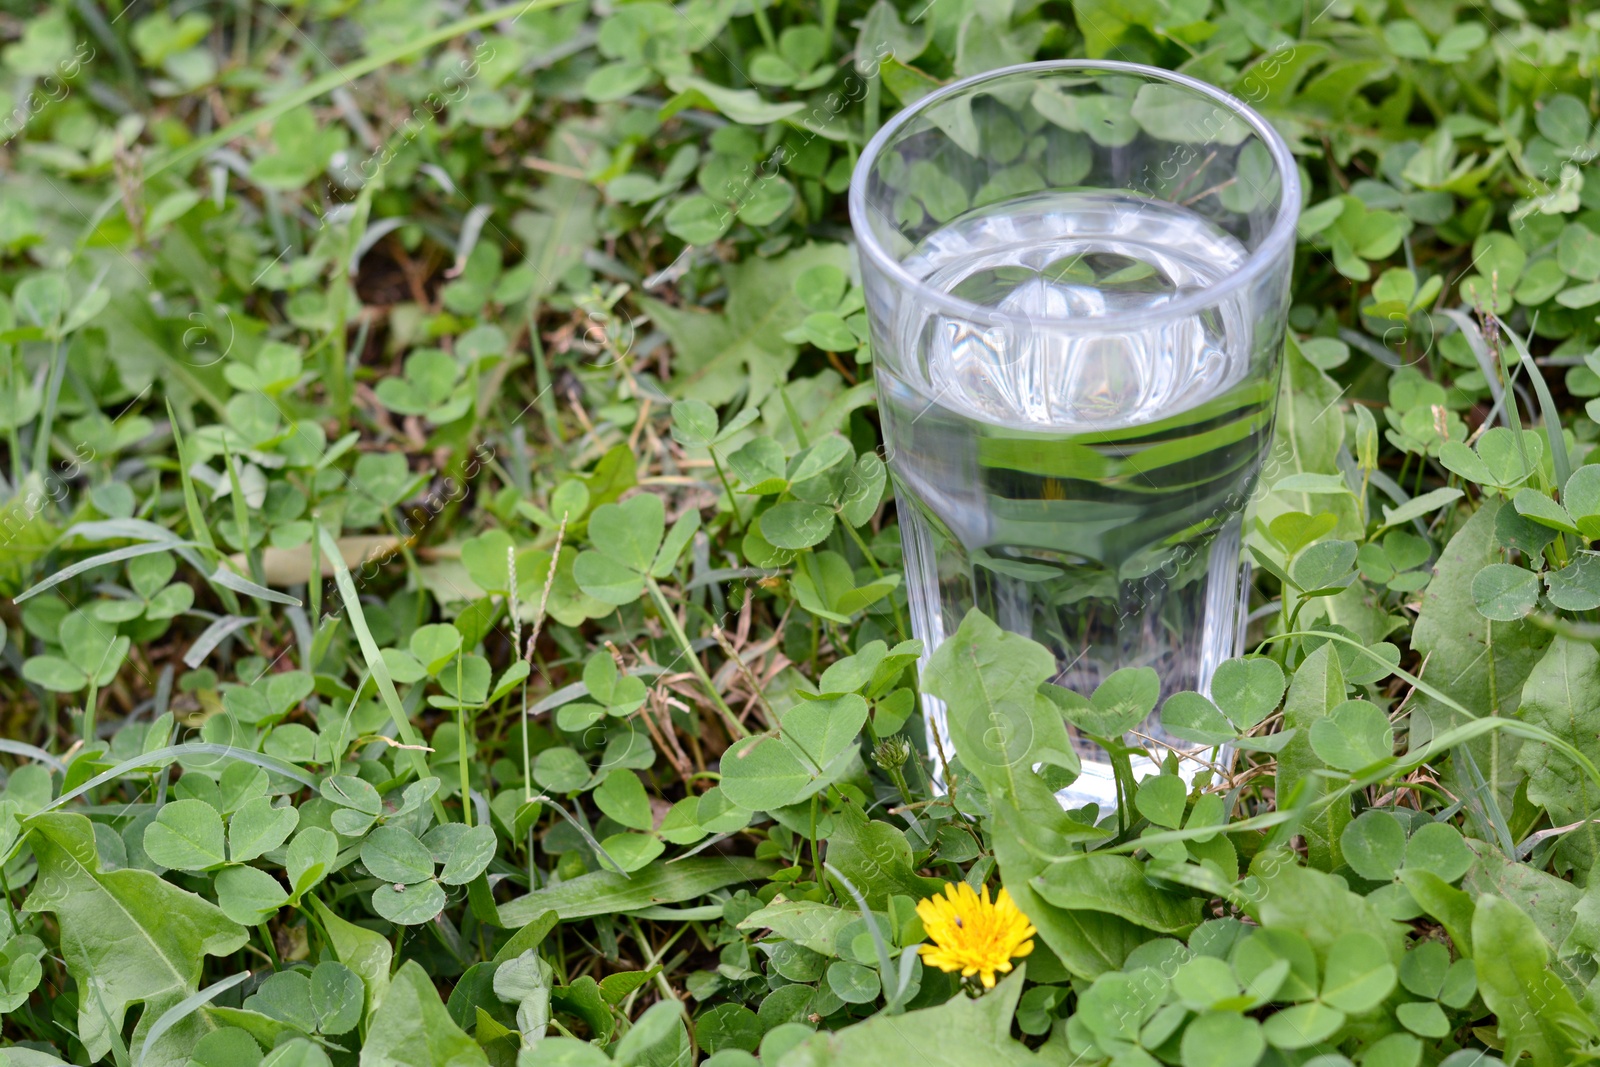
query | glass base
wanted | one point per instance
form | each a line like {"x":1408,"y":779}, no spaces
{"x":1183,"y":627}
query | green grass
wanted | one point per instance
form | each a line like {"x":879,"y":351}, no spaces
{"x":416,"y":651}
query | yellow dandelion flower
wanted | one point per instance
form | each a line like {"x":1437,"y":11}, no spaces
{"x":973,"y":936}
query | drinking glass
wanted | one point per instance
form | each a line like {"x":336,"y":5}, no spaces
{"x":1077,"y":276}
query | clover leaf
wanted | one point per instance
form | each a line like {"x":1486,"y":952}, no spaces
{"x":628,"y":548}
{"x":427,"y":388}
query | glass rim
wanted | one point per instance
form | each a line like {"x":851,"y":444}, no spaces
{"x":1282,"y":232}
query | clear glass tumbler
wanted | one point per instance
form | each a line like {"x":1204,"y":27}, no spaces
{"x":1077,"y":275}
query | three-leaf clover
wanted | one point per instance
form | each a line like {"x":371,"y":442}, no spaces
{"x":628,"y":548}
{"x":428,"y":387}
{"x":611,"y":693}
{"x":277,"y":368}
{"x":327,"y":999}
{"x":1243,"y":693}
{"x":835,"y":319}
{"x":821,"y":483}
{"x":92,"y":653}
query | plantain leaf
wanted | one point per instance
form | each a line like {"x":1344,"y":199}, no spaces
{"x":128,"y":937}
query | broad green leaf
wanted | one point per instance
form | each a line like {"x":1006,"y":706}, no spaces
{"x":678,"y":537}
{"x":1325,"y":565}
{"x":435,"y":646}
{"x":694,"y":423}
{"x":958,"y":1033}
{"x":337,"y":997}
{"x":1575,"y":587}
{"x":1505,"y":592}
{"x":762,"y":774}
{"x":1532,"y":504}
{"x":1582,"y":499}
{"x":1191,"y":717}
{"x":622,"y":796}
{"x":795,"y":524}
{"x":186,"y":835}
{"x":718,"y":355}
{"x":631,"y":851}
{"x":249,"y":896}
{"x":1121,"y":702}
{"x":849,"y":673}
{"x":730,"y":1029}
{"x":1282,"y":895}
{"x":1459,"y":459}
{"x":1222,"y":1039}
{"x":354,"y":793}
{"x":1509,"y":458}
{"x":1374,"y":845}
{"x":1479,"y":663}
{"x":1418,"y":506}
{"x":298,"y":1052}
{"x":1578,"y":252}
{"x":257,"y":828}
{"x":823,"y":730}
{"x":658,"y":1027}
{"x":1424,"y":1018}
{"x":1117,"y":885}
{"x":364,"y":951}
{"x":876,"y":858}
{"x":1255,"y":954}
{"x":412,"y":1028}
{"x":240,"y":783}
{"x":1302,"y":1025}
{"x":853,"y":983}
{"x":1247,"y":690}
{"x":1118,"y":1005}
{"x":1316,"y":689}
{"x":1437,"y":848}
{"x":143,"y":940}
{"x":1202,"y":982}
{"x":607,"y":580}
{"x":1354,"y":734}
{"x":525,"y":981}
{"x":1358,"y":973}
{"x":1307,"y":441}
{"x":561,"y":769}
{"x":393,"y":854}
{"x":469,"y":856}
{"x":629,"y":533}
{"x":310,"y":857}
{"x":409,"y":904}
{"x":1562,"y":695}
{"x":804,"y":922}
{"x":54,"y":673}
{"x":229,"y":1046}
{"x":1550,"y":901}
{"x":1176,"y":114}
{"x":989,"y":680}
{"x":1161,"y":800}
{"x":1453,"y":908}
{"x":602,"y":892}
{"x":1535,"y":1012}
{"x":1424,"y":967}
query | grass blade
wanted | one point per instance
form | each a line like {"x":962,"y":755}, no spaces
{"x":239,"y":584}
{"x":184,"y":1008}
{"x":212,"y":636}
{"x":116,"y":555}
{"x":374,"y":659}
{"x":27,"y":751}
{"x":339,"y":78}
{"x":1547,"y":409}
{"x":162,"y":756}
